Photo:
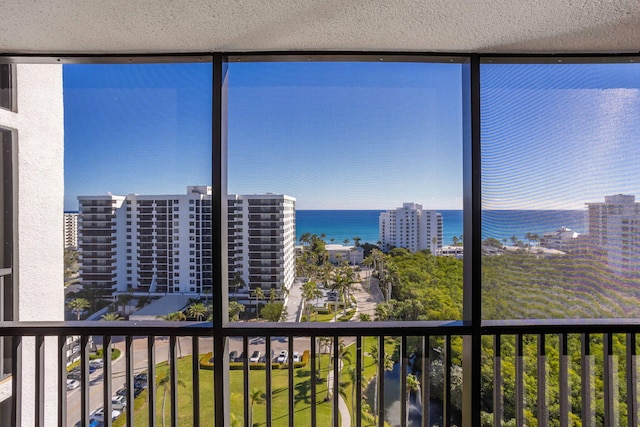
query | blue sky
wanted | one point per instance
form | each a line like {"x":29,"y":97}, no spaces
{"x":356,"y":135}
{"x":333,"y":135}
{"x":136,"y":129}
{"x":556,"y":136}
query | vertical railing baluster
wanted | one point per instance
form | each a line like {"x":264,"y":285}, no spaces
{"x":632,"y":381}
{"x":446,"y":410}
{"x":269,"y":411}
{"x":498,"y":397}
{"x":610,"y":383}
{"x":519,"y":381}
{"x":586,"y":387}
{"x":195,"y":373}
{"x":336,"y":390}
{"x":16,"y":382}
{"x":39,"y":374}
{"x":129,"y":379}
{"x":564,"y":381}
{"x":314,"y":378}
{"x":426,"y":381}
{"x":62,"y":381}
{"x":403,"y":381}
{"x":106,"y":378}
{"x":151,"y":379}
{"x":245,"y":380}
{"x":358,"y":385}
{"x":543,"y":407}
{"x":291,"y":385}
{"x":173,"y":378}
{"x":84,"y":380}
{"x":380,"y":381}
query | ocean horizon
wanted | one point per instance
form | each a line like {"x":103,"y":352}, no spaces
{"x":339,"y":225}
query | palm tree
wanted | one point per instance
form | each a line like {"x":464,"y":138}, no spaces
{"x":111,"y":316}
{"x":310,"y":291}
{"x":259,"y":295}
{"x":345,"y":241}
{"x":237,"y":282}
{"x":235,"y":308}
{"x":383,"y":311}
{"x":124,"y":300}
{"x":413,"y":385}
{"x":197,"y":311}
{"x":305,"y":238}
{"x":175,"y":316}
{"x":165,"y":383}
{"x":256,"y":396}
{"x":353,"y":377}
{"x":356,"y":240}
{"x":323,"y":342}
{"x":78,"y":305}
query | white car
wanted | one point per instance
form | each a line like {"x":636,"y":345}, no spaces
{"x":118,"y":402}
{"x":297,"y":357}
{"x":98,"y":363}
{"x":282,"y":357}
{"x":255,"y":357}
{"x":99,"y":415}
{"x":71,"y":384}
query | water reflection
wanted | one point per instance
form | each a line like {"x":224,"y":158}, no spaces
{"x":392,"y":402}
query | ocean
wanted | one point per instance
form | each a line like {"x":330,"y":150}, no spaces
{"x":347,"y":224}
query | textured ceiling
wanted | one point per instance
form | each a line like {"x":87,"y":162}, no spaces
{"x":159,"y":26}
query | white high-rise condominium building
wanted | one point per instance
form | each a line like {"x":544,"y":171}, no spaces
{"x":162,"y":243}
{"x":70,"y":230}
{"x":412,"y":228}
{"x":262,"y":237}
{"x":614,"y":230}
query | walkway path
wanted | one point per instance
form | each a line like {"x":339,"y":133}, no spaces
{"x":345,"y":415}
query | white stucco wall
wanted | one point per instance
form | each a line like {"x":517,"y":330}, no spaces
{"x":38,"y":205}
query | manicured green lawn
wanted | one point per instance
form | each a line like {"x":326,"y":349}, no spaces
{"x":280,"y":397}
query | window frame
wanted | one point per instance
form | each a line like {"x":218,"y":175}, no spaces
{"x":471,"y":326}
{"x":8,"y":77}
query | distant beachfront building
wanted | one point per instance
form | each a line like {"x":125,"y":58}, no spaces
{"x":70,"y":230}
{"x":161,"y":244}
{"x":614,"y":230}
{"x":354,"y":255}
{"x":562,"y":239}
{"x":412,"y":228}
{"x":454,"y":251}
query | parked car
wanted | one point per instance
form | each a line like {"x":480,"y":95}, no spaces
{"x":282,"y":357}
{"x":98,"y":363}
{"x":71,"y":384}
{"x":99,"y":415}
{"x":297,"y":357}
{"x":74,"y":374}
{"x":140,"y":377}
{"x":140,"y":384}
{"x":233,"y":356}
{"x":255,"y":356}
{"x":92,"y":368}
{"x":118,"y":402}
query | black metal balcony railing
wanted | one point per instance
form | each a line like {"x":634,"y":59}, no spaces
{"x":432,"y":343}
